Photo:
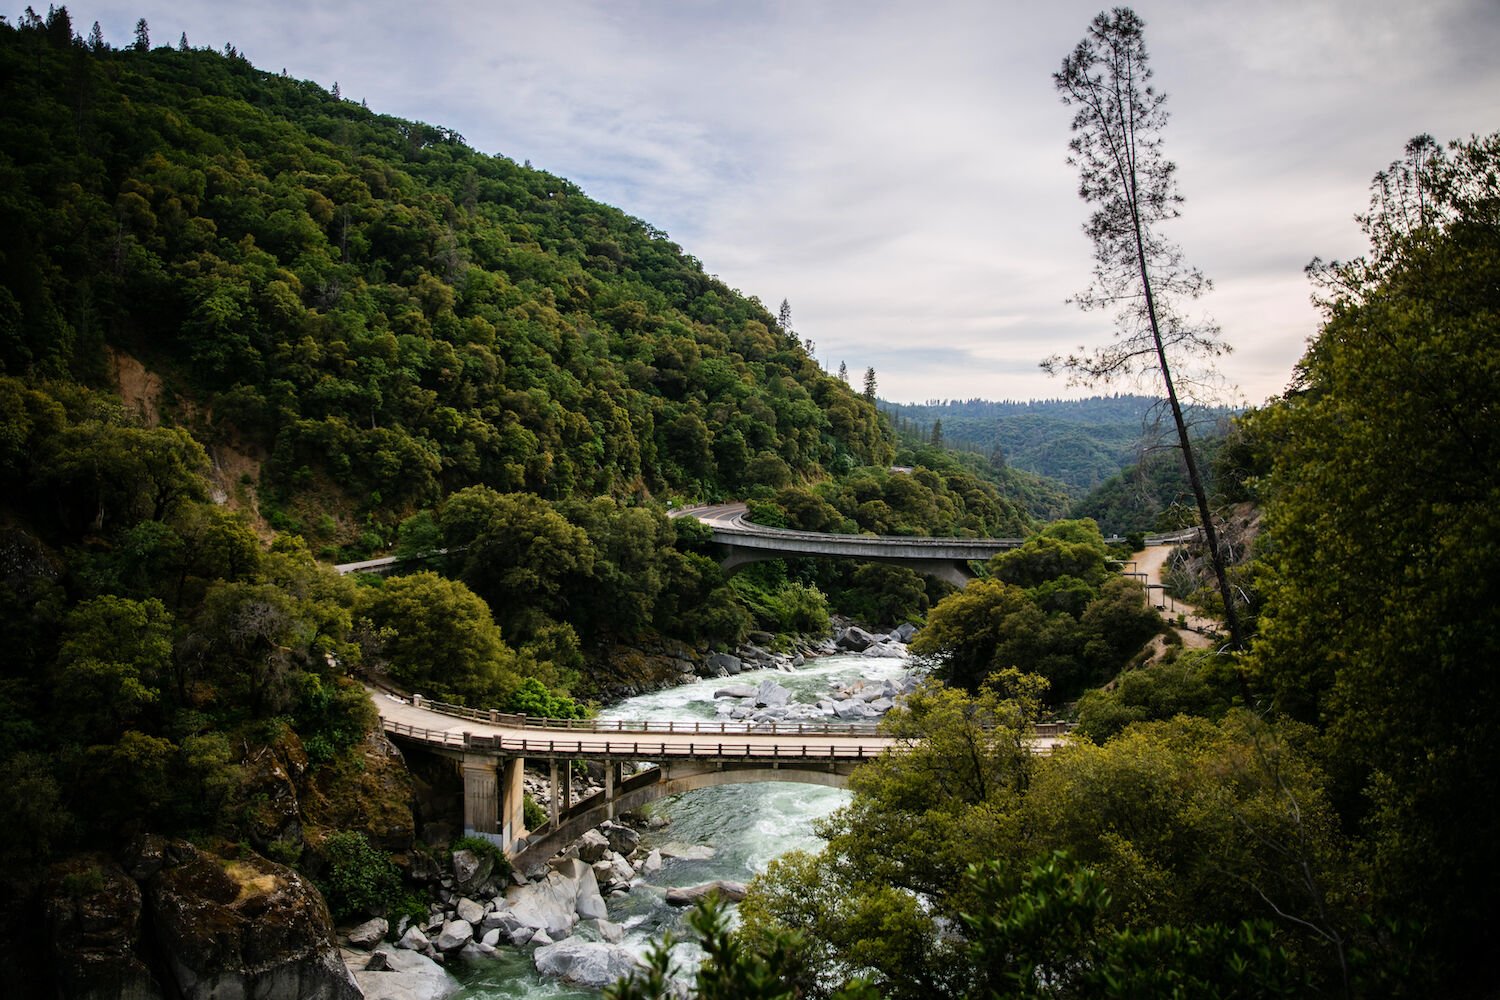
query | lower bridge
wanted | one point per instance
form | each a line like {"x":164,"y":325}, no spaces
{"x":491,"y":749}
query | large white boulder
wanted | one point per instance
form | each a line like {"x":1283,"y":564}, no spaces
{"x":585,"y":963}
{"x":407,"y":975}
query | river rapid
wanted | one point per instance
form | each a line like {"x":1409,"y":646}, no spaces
{"x":747,"y":826}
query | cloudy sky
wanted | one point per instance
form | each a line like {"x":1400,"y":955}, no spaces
{"x":896,"y":168}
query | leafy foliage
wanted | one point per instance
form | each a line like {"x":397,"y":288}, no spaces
{"x":1381,"y":501}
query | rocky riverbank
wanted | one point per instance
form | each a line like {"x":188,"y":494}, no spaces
{"x":559,"y":916}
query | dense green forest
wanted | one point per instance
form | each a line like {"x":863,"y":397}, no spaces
{"x":247,"y":328}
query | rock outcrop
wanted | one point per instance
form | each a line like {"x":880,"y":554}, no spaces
{"x":244,"y":928}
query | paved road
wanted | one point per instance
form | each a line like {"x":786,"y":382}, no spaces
{"x":647,"y":741}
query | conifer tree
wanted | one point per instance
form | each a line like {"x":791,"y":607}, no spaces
{"x":1117,"y":147}
{"x":142,"y":36}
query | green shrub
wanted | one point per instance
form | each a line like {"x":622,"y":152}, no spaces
{"x":358,"y":880}
{"x":533,"y":812}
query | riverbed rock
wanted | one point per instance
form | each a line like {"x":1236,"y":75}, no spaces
{"x":771,"y":695}
{"x":622,"y":839}
{"x":686,"y":852}
{"x":690,"y":895}
{"x":728,"y":663}
{"x":605,"y":930}
{"x":455,"y":934}
{"x":886,"y":650}
{"x":370,"y":933}
{"x":853,"y":711}
{"x":855,"y":639}
{"x":904,"y":632}
{"x":471,"y":869}
{"x":406,"y":975}
{"x":735,"y":691}
{"x":468,"y":909}
{"x":585,"y":963}
{"x":652,"y":864}
{"x":592,"y":846}
{"x":245,"y":928}
{"x":414,"y":940}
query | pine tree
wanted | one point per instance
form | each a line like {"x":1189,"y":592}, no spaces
{"x":96,"y":38}
{"x":843,"y":373}
{"x":1116,"y":145}
{"x":182,"y":43}
{"x":142,"y":36}
{"x":870,"y":384}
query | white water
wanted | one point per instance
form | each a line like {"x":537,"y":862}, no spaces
{"x":747,"y":825}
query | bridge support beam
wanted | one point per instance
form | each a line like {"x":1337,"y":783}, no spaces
{"x":512,"y":801}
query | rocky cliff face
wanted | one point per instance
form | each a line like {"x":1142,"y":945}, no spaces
{"x":244,"y":928}
{"x":177,"y":921}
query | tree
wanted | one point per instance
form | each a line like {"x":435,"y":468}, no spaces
{"x":784,"y":318}
{"x":1378,"y":620}
{"x":870,"y":384}
{"x":142,"y":36}
{"x":96,"y":38}
{"x":1117,"y":147}
{"x":843,"y":373}
{"x":937,"y":434}
{"x":182,"y":42}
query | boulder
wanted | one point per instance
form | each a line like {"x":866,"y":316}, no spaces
{"x":760,"y":638}
{"x":726,"y":662}
{"x":605,"y":930}
{"x":622,"y":839}
{"x":904,"y":632}
{"x":370,"y":933}
{"x":585,"y":963}
{"x":248,"y":927}
{"x":471,"y":869}
{"x":855,"y":639}
{"x":689,"y":895}
{"x":93,"y":911}
{"x":770,"y":694}
{"x":886,"y":651}
{"x":414,"y":940}
{"x":405,"y":975}
{"x":652,"y":864}
{"x":550,"y":903}
{"x":469,"y":910}
{"x":735,"y":691}
{"x":592,"y":846}
{"x":853,"y":711}
{"x":521,"y":936}
{"x":686,"y":852}
{"x":455,"y":934}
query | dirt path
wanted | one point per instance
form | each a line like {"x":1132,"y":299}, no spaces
{"x":1147,"y":565}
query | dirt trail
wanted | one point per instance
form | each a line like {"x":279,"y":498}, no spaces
{"x":1149,"y":561}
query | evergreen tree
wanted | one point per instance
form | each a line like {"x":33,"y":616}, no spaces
{"x":870,"y":384}
{"x":1116,"y":145}
{"x":142,"y":36}
{"x":96,"y":38}
{"x":182,"y":42}
{"x":843,"y":373}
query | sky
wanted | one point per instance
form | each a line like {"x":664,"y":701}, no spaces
{"x":896,"y":169}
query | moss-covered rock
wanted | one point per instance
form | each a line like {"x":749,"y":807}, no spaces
{"x":247,"y":927}
{"x":94,"y":925}
{"x":367,"y":789}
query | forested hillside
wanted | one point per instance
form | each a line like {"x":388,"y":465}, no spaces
{"x":1080,"y":443}
{"x":381,"y":312}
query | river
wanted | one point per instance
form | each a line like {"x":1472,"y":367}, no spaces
{"x":747,"y":826}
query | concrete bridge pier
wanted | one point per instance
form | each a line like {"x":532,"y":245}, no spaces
{"x":493,"y":791}
{"x":561,"y":780}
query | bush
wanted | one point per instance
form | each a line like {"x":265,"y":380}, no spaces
{"x":358,"y":880}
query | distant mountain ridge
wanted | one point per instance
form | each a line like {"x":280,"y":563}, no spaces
{"x":1080,"y":443}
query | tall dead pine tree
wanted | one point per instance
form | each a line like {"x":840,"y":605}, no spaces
{"x":1138,"y":273}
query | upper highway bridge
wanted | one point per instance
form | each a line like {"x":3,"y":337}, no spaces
{"x":491,"y":748}
{"x":945,"y":558}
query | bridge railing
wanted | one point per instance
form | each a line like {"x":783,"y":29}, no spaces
{"x":681,"y":726}
{"x":634,"y":749}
